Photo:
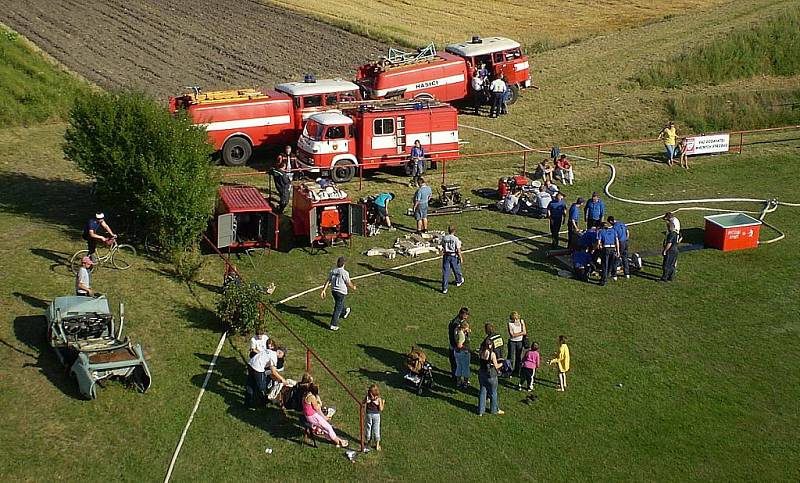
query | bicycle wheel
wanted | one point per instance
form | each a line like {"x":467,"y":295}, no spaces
{"x":123,"y":256}
{"x":75,"y":261}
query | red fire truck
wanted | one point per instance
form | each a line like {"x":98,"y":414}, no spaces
{"x":444,"y":75}
{"x":375,"y":134}
{"x":239,"y":120}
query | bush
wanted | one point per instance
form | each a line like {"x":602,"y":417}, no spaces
{"x":188,"y":262}
{"x":770,"y":48}
{"x":238,"y":307}
{"x":147,"y":162}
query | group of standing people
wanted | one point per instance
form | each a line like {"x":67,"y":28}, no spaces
{"x":673,"y":145}
{"x":522,"y":358}
{"x":496,"y":90}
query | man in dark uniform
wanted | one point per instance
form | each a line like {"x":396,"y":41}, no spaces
{"x":573,"y":223}
{"x":623,"y":234}
{"x":463,"y":315}
{"x":555,"y":212}
{"x":594,"y":210}
{"x":609,"y":244}
{"x":670,"y":254}
{"x":282,"y":176}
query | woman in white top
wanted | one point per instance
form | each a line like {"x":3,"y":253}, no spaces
{"x":258,"y":342}
{"x":516,"y":332}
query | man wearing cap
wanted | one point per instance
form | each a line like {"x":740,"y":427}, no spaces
{"x":621,"y":229}
{"x":452,"y":258}
{"x":339,"y":281}
{"x":257,"y":384}
{"x":594,"y":210}
{"x":83,"y":279}
{"x":573,"y":223}
{"x":91,"y":235}
{"x":609,"y":243}
{"x":555,"y":212}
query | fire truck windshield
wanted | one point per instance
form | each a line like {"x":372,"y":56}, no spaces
{"x":313,"y":130}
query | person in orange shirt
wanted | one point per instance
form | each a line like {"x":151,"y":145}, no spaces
{"x":562,"y":360}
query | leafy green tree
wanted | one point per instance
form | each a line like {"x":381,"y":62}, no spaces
{"x":147,"y":162}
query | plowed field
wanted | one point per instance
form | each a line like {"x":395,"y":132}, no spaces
{"x":163,"y":46}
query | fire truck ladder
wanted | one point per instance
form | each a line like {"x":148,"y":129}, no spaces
{"x":398,"y":57}
{"x":400,"y":134}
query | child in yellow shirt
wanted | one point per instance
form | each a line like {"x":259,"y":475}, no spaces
{"x":562,"y":359}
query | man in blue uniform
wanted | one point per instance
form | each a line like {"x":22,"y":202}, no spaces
{"x":555,"y":212}
{"x":594,"y":210}
{"x":609,"y":243}
{"x":621,"y":229}
{"x":581,"y":264}
{"x":574,"y":223}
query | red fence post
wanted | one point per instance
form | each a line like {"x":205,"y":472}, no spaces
{"x":444,"y":170}
{"x":308,"y":361}
{"x":360,"y":176}
{"x":598,"y":155}
{"x":741,"y":142}
{"x":524,"y":162}
{"x":361,"y":418}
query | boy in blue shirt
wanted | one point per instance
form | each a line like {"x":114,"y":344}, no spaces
{"x":609,"y":243}
{"x":621,"y":229}
{"x":594,"y":211}
{"x":555,"y":211}
{"x":573,"y":224}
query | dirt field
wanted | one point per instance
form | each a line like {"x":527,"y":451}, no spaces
{"x":165,"y":46}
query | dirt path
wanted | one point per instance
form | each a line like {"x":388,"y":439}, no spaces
{"x":164,"y":46}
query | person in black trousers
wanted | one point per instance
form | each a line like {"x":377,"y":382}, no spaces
{"x":670,"y":254}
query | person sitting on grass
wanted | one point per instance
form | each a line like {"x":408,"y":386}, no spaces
{"x":564,"y":170}
{"x":544,"y":171}
{"x":312,"y":410}
{"x":561,"y":360}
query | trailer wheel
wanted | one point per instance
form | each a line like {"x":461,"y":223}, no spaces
{"x":514,"y":95}
{"x":343,"y":171}
{"x":236,"y":151}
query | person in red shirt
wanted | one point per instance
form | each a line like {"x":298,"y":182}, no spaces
{"x":564,"y":170}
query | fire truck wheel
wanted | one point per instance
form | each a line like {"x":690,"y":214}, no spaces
{"x":343,"y":171}
{"x":514,"y":95}
{"x":236,"y":152}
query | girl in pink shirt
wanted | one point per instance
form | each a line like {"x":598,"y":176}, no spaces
{"x":530,"y":362}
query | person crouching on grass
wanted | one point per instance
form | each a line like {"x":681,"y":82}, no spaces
{"x":562,"y":360}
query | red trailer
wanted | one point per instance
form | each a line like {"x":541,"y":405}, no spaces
{"x":377,"y":134}
{"x":444,"y":75}
{"x":244,"y":219}
{"x":323,"y":216}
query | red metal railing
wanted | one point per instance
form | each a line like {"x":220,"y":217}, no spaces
{"x":309,"y":351}
{"x":597,"y":148}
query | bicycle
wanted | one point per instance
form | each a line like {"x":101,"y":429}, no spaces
{"x":119,"y":256}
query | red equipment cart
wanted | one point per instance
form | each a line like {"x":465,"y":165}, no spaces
{"x":324,"y":216}
{"x":244,"y":219}
{"x":731,"y":231}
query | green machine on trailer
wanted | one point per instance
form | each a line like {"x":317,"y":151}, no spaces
{"x":82,"y":332}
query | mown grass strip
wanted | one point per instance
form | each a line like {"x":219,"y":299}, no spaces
{"x":771,"y":47}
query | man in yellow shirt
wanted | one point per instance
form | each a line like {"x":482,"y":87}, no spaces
{"x":669,"y":135}
{"x":563,"y":362}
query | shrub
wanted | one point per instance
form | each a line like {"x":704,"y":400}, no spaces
{"x":771,"y":47}
{"x":238,"y":307}
{"x":187,"y":262}
{"x":147,"y":162}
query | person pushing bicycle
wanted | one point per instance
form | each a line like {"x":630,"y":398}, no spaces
{"x":91,"y":235}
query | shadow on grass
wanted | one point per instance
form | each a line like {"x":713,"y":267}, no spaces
{"x":56,"y":201}
{"x":422,"y":282}
{"x":34,"y":302}
{"x":317,"y":318}
{"x":201,"y":318}
{"x":395,"y":378}
{"x":31,"y":330}
{"x":59,"y":259}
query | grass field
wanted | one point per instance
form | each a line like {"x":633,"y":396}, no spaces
{"x":537,"y":25}
{"x":707,"y":364}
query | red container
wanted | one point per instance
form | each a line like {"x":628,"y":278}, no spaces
{"x":731,"y":231}
{"x":244,"y":219}
{"x":321,"y":217}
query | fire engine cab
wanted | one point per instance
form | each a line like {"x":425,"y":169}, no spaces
{"x":239,"y":120}
{"x":444,"y":75}
{"x":377,"y":134}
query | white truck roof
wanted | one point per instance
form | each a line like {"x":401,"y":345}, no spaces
{"x":321,"y":86}
{"x":488,"y":45}
{"x":330,"y":118}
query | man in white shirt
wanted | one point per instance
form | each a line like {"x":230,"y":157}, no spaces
{"x":83,"y":279}
{"x":257,"y":367}
{"x":477,"y":92}
{"x":258,"y":342}
{"x":452,"y":258}
{"x":339,"y":281}
{"x":498,"y":88}
{"x":543,"y":199}
{"x":673,"y":223}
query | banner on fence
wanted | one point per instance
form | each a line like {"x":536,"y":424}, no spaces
{"x":717,"y":143}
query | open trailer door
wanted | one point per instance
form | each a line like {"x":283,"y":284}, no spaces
{"x":226,"y":230}
{"x":357,"y":216}
{"x":270,"y":229}
{"x":313,"y":226}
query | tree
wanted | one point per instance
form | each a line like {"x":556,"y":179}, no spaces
{"x":146,"y":161}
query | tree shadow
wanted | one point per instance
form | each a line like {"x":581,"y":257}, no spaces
{"x":59,"y":259}
{"x":31,"y":330}
{"x":317,"y":318}
{"x":58,"y":202}
{"x":422,"y":282}
{"x":395,"y":379}
{"x":201,"y":318}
